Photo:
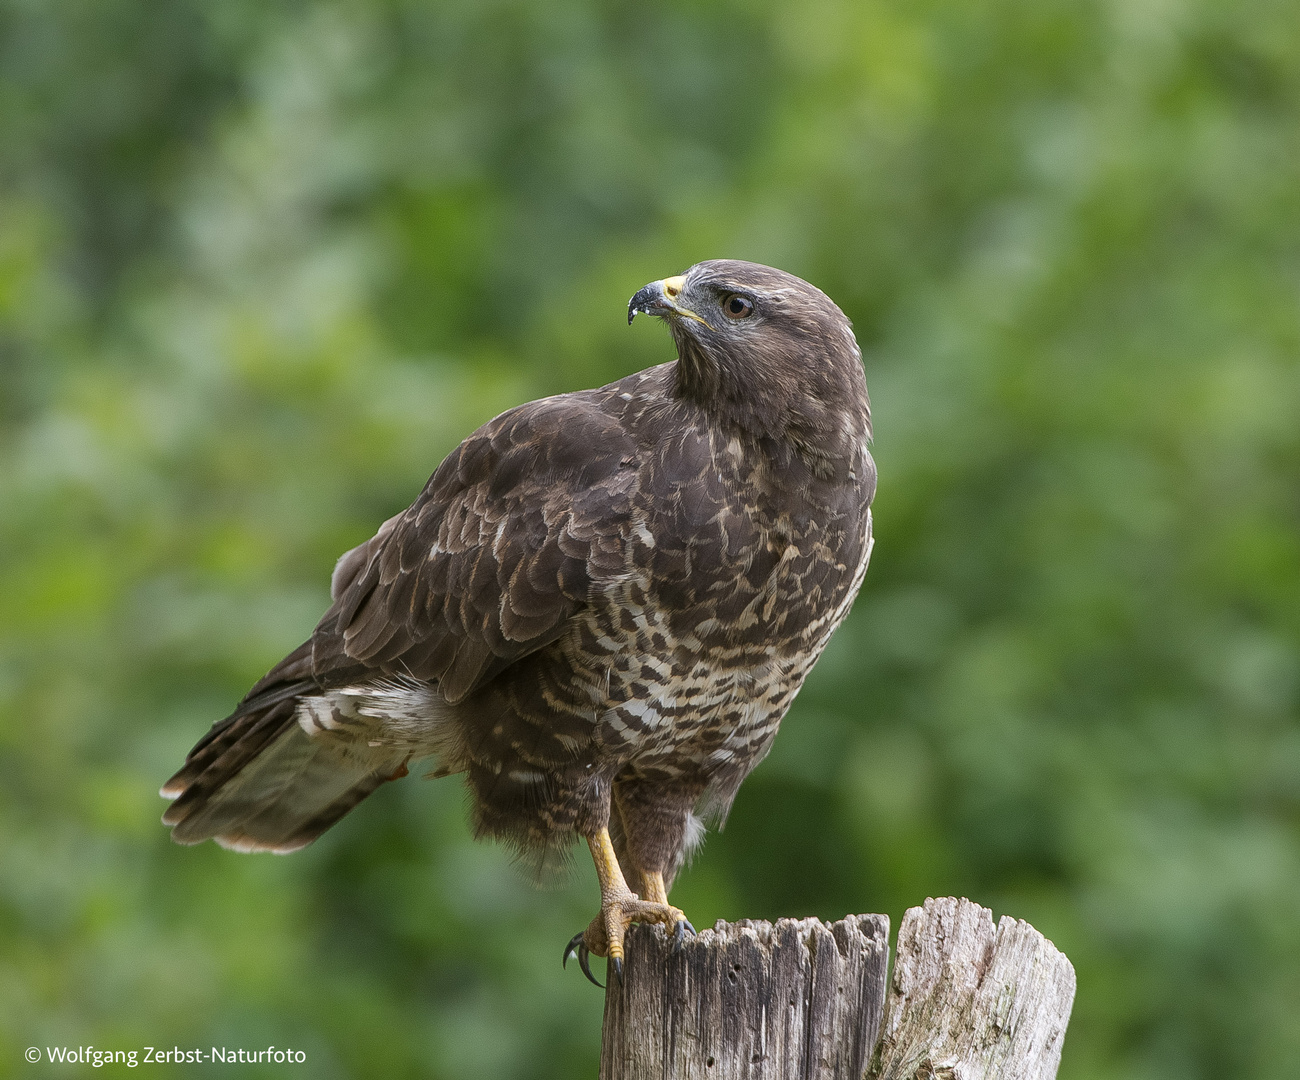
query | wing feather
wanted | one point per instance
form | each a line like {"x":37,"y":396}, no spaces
{"x":503,"y":547}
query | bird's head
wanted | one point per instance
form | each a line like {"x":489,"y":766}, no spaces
{"x":764,"y":349}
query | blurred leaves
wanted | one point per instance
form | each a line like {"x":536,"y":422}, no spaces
{"x":262,"y":265}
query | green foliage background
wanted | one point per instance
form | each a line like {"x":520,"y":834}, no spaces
{"x":263,"y":263}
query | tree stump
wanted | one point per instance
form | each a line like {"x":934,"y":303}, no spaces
{"x":748,"y":999}
{"x":804,"y":1001}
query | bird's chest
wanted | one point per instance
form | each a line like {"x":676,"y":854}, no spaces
{"x":682,"y":704}
{"x":701,"y":667}
{"x":731,"y":585}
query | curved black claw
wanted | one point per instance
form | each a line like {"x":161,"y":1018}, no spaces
{"x":679,"y":938}
{"x":616,"y":966}
{"x":571,"y":948}
{"x":584,"y":962}
{"x":577,"y":944}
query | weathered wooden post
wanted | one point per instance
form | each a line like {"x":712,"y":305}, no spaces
{"x":805,"y":1001}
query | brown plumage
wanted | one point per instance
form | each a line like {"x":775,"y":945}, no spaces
{"x":598,"y":609}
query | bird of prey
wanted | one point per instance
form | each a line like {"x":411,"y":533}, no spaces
{"x":598,"y":609}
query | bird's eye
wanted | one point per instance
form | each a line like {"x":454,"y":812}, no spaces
{"x":736,"y":306}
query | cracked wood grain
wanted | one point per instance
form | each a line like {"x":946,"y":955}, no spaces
{"x":969,"y":1001}
{"x":798,"y":999}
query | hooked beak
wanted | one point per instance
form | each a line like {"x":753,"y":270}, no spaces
{"x":661,"y":298}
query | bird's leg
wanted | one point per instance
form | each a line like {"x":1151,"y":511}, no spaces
{"x":654,"y":890}
{"x":619,"y":908}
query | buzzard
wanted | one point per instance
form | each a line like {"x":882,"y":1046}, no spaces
{"x":598,"y":609}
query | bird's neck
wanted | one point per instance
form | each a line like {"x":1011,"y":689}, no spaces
{"x":823,"y":419}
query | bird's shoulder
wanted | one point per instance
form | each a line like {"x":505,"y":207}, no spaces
{"x":507,"y":541}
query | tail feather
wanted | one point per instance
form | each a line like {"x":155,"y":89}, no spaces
{"x":293,"y":825}
{"x":253,"y":706}
{"x":259,"y":782}
{"x":224,"y":750}
{"x":254,"y":716}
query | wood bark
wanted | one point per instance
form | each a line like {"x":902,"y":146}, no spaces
{"x":971,"y":1002}
{"x":748,"y":1000}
